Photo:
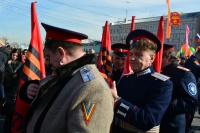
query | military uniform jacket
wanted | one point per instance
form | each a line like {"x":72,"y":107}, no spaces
{"x":76,"y":100}
{"x":145,"y":97}
{"x":116,"y":74}
{"x":193,"y":64}
{"x":180,"y":112}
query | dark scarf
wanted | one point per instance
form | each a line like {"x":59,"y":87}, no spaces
{"x":64,"y":73}
{"x":56,"y":84}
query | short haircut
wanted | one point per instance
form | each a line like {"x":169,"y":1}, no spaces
{"x":145,"y":44}
{"x":172,"y":54}
{"x":70,"y":47}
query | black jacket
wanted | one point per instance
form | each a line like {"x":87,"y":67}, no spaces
{"x":4,"y":56}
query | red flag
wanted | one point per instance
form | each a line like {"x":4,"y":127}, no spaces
{"x":104,"y":58}
{"x":33,"y":69}
{"x":132,"y":24}
{"x":127,"y":67}
{"x":160,"y":35}
{"x":187,"y":32}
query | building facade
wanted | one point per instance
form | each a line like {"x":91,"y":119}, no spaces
{"x":119,"y":30}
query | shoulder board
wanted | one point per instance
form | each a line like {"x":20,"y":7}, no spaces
{"x":160,"y":76}
{"x":196,"y":62}
{"x":86,"y":74}
{"x":183,"y":68}
{"x":126,"y":75}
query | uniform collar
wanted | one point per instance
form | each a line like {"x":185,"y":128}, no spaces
{"x":115,"y":69}
{"x":146,"y":71}
{"x":172,"y":65}
{"x":68,"y":69}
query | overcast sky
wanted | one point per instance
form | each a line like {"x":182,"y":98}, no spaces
{"x":85,"y":16}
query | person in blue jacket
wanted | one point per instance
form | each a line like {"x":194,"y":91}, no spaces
{"x":141,"y":98}
{"x":180,"y":113}
{"x":193,"y":63}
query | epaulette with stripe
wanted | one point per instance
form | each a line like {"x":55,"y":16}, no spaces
{"x":183,"y":68}
{"x":126,"y":75}
{"x":160,"y":76}
{"x":196,"y":62}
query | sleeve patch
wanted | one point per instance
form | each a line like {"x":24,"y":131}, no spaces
{"x":192,"y":89}
{"x":160,"y":76}
{"x":88,"y":111}
{"x":183,"y":68}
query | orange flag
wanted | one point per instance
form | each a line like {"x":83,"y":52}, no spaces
{"x":34,"y":68}
{"x":160,"y":35}
{"x":104,"y":58}
{"x":168,"y":29}
{"x":127,"y":67}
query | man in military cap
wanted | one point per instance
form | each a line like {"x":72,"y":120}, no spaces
{"x":180,"y":113}
{"x":76,"y":98}
{"x":119,"y":54}
{"x":141,"y":98}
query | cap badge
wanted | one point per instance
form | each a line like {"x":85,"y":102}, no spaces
{"x":120,"y":50}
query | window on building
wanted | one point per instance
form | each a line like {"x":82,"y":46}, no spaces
{"x":183,"y":26}
{"x":155,"y":28}
{"x":190,"y":35}
{"x":182,"y":35}
{"x":176,"y":35}
{"x":151,"y":28}
{"x":114,"y":31}
{"x":147,"y":27}
{"x":190,"y":25}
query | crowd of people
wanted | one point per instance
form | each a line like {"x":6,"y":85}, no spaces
{"x":74,"y":97}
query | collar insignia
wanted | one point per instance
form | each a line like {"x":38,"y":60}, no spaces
{"x":144,"y":72}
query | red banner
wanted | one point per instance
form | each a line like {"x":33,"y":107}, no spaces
{"x":104,"y":58}
{"x":33,"y":69}
{"x":160,"y":35}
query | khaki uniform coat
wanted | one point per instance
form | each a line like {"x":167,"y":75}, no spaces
{"x":61,"y":111}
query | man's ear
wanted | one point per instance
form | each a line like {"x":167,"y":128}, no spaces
{"x":61,"y":52}
{"x":152,"y":57}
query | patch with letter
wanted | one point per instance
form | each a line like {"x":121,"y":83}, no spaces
{"x":86,"y":74}
{"x":192,"y":88}
{"x":88,"y":111}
